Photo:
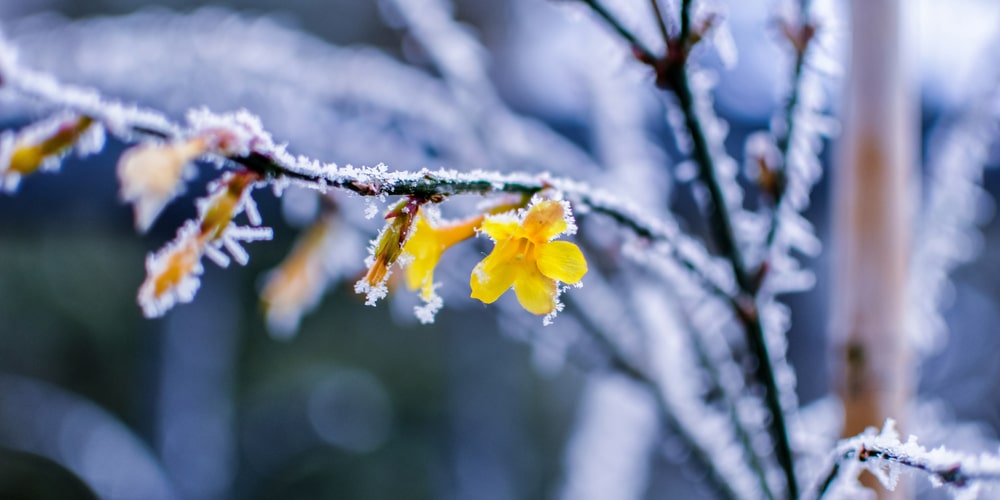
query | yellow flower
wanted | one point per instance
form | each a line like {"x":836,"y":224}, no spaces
{"x":151,"y":176}
{"x":29,"y":156}
{"x":172,"y":272}
{"x":296,"y":285}
{"x":526,"y":259}
{"x":426,"y":246}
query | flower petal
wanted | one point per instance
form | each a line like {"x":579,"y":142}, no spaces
{"x":562,"y":260}
{"x":500,"y":227}
{"x":535,"y":292}
{"x":426,"y":250}
{"x":544,"y":221}
{"x":496,"y":273}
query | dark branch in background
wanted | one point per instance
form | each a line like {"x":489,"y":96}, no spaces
{"x":685,"y":33}
{"x":671,"y":75}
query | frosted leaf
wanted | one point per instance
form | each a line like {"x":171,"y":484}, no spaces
{"x":172,"y":273}
{"x":151,"y":175}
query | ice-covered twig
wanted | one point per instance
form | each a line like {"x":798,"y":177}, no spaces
{"x":254,"y":148}
{"x":886,"y":456}
{"x":672,"y":74}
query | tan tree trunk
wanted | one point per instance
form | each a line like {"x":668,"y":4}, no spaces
{"x":872,"y":210}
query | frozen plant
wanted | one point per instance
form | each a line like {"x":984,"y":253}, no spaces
{"x":682,"y":333}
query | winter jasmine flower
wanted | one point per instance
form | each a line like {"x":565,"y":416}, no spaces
{"x":40,"y":146}
{"x":151,"y":176}
{"x":426,"y":246}
{"x":526,"y":258}
{"x":172,"y":273}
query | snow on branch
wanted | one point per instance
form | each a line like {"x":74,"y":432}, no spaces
{"x":886,"y":457}
{"x":239,"y":139}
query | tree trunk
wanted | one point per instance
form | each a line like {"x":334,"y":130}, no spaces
{"x":872,"y":226}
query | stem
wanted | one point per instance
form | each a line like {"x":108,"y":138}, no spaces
{"x":622,"y":31}
{"x":660,"y":21}
{"x":746,"y":306}
{"x":955,"y":475}
{"x":685,"y":22}
{"x":784,"y":141}
{"x":674,"y":78}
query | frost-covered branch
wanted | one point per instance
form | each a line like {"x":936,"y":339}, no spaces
{"x":885,"y":456}
{"x":240,"y":139}
{"x":672,"y":74}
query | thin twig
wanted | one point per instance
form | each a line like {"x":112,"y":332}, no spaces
{"x":746,"y":440}
{"x":784,"y":141}
{"x":660,"y":21}
{"x":641,"y":49}
{"x":956,"y":474}
{"x":672,"y":74}
{"x":747,"y":306}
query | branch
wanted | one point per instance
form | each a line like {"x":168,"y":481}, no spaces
{"x":671,"y":74}
{"x":258,"y":153}
{"x":940,"y":466}
{"x":641,"y":50}
{"x":800,"y":36}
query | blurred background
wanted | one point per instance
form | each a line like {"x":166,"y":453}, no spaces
{"x":362,"y":403}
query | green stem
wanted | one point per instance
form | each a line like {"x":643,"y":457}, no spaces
{"x":784,"y":141}
{"x":747,"y":306}
{"x":673,"y":76}
{"x":726,"y":240}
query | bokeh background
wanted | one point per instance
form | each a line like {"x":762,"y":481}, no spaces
{"x":363,"y":403}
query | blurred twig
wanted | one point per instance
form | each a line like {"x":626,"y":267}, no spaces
{"x":671,"y":74}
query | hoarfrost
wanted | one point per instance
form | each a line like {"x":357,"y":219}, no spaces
{"x":615,"y":432}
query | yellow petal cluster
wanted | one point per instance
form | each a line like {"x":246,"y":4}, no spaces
{"x":526,"y":258}
{"x":427,"y":244}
